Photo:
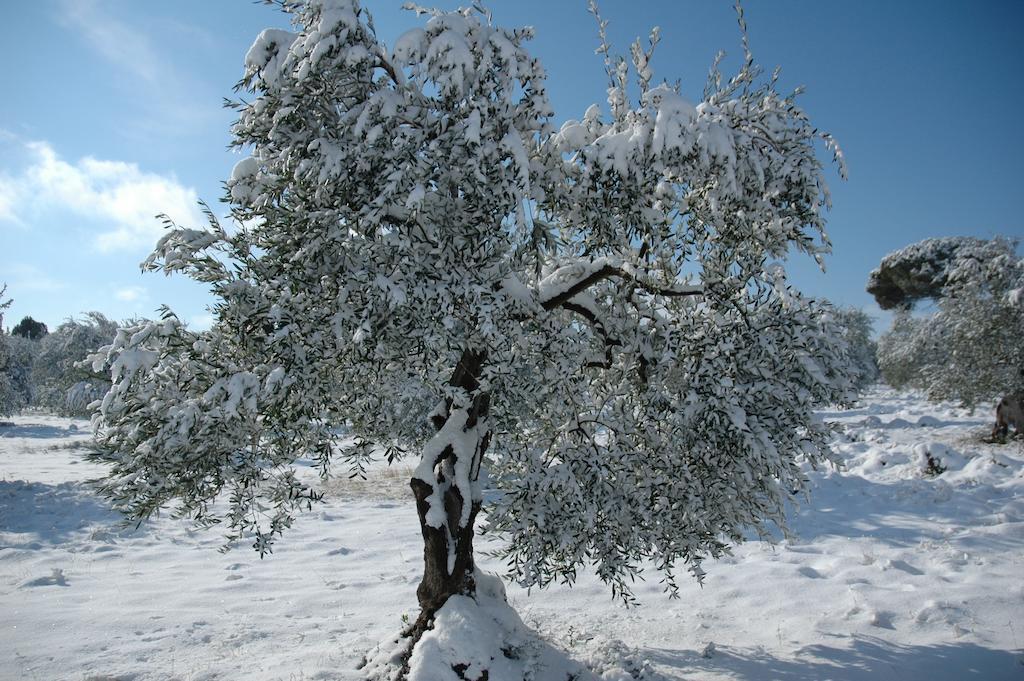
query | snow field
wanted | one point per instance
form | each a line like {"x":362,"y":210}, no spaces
{"x":890,"y":573}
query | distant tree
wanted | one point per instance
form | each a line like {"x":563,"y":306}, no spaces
{"x":920,"y":271}
{"x":20,"y":356}
{"x":970,"y":348}
{"x":589,"y":314}
{"x":30,"y":329}
{"x":62,"y":382}
{"x":905,"y":350}
{"x":11,"y":399}
{"x":856,"y":327}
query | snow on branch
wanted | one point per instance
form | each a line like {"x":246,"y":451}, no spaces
{"x":566,"y":281}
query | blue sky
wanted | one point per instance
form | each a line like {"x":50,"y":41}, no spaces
{"x":112,"y":113}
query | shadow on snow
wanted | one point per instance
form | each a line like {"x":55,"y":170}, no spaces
{"x":902,"y":513}
{"x":40,"y":431}
{"x":861,"y":659}
{"x":33,"y":513}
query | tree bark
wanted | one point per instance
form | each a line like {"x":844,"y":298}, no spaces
{"x":442,"y":578}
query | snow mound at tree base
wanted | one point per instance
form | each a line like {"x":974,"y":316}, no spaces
{"x":483,"y":639}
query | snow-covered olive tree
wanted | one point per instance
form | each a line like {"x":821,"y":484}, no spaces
{"x":905,"y":349}
{"x":61,"y":380}
{"x":16,"y":356}
{"x":856,"y":325}
{"x":20,"y":354}
{"x":14,"y":390}
{"x":592,"y":319}
{"x":970,"y":348}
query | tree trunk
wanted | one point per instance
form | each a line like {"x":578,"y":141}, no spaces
{"x":448,"y":538}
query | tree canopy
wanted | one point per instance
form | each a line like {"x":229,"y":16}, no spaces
{"x":30,"y":329}
{"x":921,"y":270}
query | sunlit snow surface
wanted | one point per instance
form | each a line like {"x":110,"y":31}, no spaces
{"x":892,"y":574}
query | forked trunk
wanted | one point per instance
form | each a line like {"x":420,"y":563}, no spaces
{"x":447,"y":494}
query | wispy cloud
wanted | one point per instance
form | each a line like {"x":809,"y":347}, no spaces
{"x":116,"y":197}
{"x":133,"y":49}
{"x":121,"y":44}
{"x":200,"y":322}
{"x":30,"y":278}
{"x":131,"y":294}
{"x":8,"y":194}
{"x":7,"y":200}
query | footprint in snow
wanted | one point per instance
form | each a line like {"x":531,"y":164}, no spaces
{"x":342,"y":551}
{"x":56,"y":578}
{"x":904,"y":566}
{"x":943,"y":612}
{"x":810,"y":572}
{"x":882,"y":619}
{"x":803,"y":548}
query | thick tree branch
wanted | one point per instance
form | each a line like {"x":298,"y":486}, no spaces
{"x":591,"y":273}
{"x":599,"y":327}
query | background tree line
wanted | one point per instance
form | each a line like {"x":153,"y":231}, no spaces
{"x":40,"y":368}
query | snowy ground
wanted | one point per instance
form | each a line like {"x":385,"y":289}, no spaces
{"x":892,"y":574}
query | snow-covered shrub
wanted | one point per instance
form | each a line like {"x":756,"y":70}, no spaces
{"x":855,"y":325}
{"x":970,"y":348}
{"x":20,"y":356}
{"x":61,"y":382}
{"x":595,"y":311}
{"x":16,"y":355}
{"x":902,"y":353}
{"x":7,"y":394}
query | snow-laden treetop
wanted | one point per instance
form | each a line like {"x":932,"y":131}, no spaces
{"x":932,"y":268}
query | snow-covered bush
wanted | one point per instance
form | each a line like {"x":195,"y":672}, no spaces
{"x":6,"y":393}
{"x":14,"y":391}
{"x":596,"y":311}
{"x":970,"y":348}
{"x":855,"y":325}
{"x":61,"y":382}
{"x":15,"y":365}
{"x":17,"y":368}
{"x":904,"y":351}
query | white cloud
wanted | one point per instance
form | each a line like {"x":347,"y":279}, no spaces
{"x":118,"y":197}
{"x":200,"y":322}
{"x":131,"y":294}
{"x":146,"y":59}
{"x":7,"y":200}
{"x":115,"y":40}
{"x":24,"y":277}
